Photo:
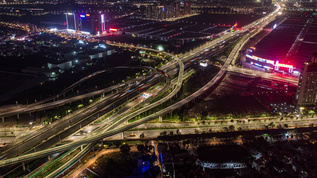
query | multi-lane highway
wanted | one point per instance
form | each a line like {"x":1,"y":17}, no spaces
{"x":117,"y":119}
{"x":44,"y":104}
{"x":232,"y":56}
{"x":265,"y":75}
{"x":52,"y":134}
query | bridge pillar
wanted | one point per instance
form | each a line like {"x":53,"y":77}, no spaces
{"x":18,"y":116}
{"x":122,"y":136}
{"x":160,"y":119}
{"x":48,"y":157}
{"x":126,"y":122}
{"x":2,"y":119}
{"x":30,"y":113}
{"x":81,"y":147}
{"x":23,"y":165}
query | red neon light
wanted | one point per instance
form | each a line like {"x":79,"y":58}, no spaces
{"x":113,"y":29}
{"x":284,"y":65}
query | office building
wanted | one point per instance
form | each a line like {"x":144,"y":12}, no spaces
{"x":177,"y":9}
{"x":163,"y":11}
{"x":93,"y":23}
{"x":169,"y":10}
{"x":150,"y":11}
{"x":187,"y":7}
{"x":71,"y":21}
{"x":86,"y":23}
{"x":306,"y":94}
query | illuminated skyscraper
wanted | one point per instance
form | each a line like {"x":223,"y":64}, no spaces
{"x":71,"y":21}
{"x":94,"y":23}
{"x":87,"y":23}
{"x":306,"y":94}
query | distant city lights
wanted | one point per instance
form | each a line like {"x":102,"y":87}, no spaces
{"x":274,"y":64}
{"x":53,"y":29}
{"x":113,"y":29}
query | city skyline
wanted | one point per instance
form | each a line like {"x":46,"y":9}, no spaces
{"x":134,"y":88}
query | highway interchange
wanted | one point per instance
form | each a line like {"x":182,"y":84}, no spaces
{"x":114,"y":129}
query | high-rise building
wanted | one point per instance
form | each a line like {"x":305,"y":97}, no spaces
{"x":177,"y":8}
{"x":92,"y":23}
{"x":33,"y":28}
{"x":169,"y":10}
{"x":187,"y":7}
{"x":150,"y":11}
{"x":306,"y":94}
{"x":163,"y":11}
{"x":71,"y":21}
{"x":159,"y":12}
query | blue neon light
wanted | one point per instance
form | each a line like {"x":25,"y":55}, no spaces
{"x":161,"y":157}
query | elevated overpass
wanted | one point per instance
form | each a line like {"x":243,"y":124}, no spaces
{"x":233,"y":55}
{"x":264,"y":75}
{"x":44,"y":104}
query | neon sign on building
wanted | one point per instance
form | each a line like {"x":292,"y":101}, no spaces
{"x":276,"y":64}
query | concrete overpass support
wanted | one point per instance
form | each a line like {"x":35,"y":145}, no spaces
{"x":160,"y":119}
{"x":18,"y":115}
{"x":81,"y":147}
{"x":2,"y":119}
{"x":122,"y":135}
{"x":23,"y":165}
